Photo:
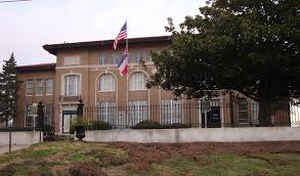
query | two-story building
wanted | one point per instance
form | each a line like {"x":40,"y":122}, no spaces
{"x":88,"y":71}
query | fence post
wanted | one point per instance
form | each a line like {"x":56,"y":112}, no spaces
{"x":9,"y":141}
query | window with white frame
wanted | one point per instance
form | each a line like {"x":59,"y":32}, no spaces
{"x":29,"y":116}
{"x":138,"y":111}
{"x":107,"y":83}
{"x":137,"y":81}
{"x":72,"y":60}
{"x":115,"y":57}
{"x":72,"y":85}
{"x":29,"y":87}
{"x":39,"y":87}
{"x":102,"y":59}
{"x":137,"y":56}
{"x":49,"y":86}
{"x":106,"y":112}
{"x":171,"y":111}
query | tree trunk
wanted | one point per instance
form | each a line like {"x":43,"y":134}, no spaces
{"x":265,"y":112}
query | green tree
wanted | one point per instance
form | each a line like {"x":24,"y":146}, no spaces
{"x":8,"y":88}
{"x":249,"y":46}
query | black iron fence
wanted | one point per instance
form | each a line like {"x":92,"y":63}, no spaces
{"x":205,"y":114}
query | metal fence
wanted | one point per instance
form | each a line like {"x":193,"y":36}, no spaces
{"x":205,"y":114}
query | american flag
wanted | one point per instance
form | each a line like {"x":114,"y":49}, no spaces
{"x":122,"y":35}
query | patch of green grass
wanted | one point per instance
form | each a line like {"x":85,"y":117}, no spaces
{"x":36,"y":154}
{"x":226,"y":164}
{"x":77,"y":157}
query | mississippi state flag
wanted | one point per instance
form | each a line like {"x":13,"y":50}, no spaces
{"x":122,"y":35}
{"x":123,"y":63}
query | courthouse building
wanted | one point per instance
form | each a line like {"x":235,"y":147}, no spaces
{"x":88,"y":71}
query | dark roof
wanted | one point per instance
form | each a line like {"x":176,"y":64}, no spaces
{"x":105,"y":43}
{"x":37,"y":68}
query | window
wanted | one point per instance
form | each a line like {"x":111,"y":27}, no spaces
{"x":72,"y":85}
{"x":48,"y":115}
{"x":74,"y":60}
{"x":106,"y":112}
{"x":39,"y":87}
{"x":138,"y":111}
{"x":171,"y":112}
{"x":29,"y":87}
{"x":49,"y":87}
{"x":29,"y":116}
{"x":115,"y":57}
{"x":243,"y":111}
{"x":102,"y":59}
{"x":137,"y":57}
{"x":148,"y":55}
{"x":107,"y":83}
{"x":137,"y":81}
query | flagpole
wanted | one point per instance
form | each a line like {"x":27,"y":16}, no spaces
{"x":127,"y":72}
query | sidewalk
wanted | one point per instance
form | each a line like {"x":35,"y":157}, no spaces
{"x":4,"y":148}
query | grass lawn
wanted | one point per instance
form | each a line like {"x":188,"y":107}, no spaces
{"x":211,"y":159}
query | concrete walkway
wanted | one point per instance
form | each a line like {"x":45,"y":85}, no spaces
{"x":4,"y":148}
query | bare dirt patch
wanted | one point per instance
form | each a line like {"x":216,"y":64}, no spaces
{"x":143,"y":155}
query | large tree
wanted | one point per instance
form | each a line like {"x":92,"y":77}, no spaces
{"x":8,"y":88}
{"x":249,"y":46}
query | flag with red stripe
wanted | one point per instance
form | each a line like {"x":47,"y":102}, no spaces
{"x":122,"y":35}
{"x":123,"y":63}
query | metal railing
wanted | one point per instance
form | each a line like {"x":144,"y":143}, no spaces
{"x":205,"y":114}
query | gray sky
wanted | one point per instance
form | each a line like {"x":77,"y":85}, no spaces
{"x":26,"y":26}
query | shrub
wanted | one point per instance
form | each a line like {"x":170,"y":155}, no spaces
{"x":147,"y":124}
{"x":176,"y":125}
{"x":78,"y":122}
{"x":99,"y":125}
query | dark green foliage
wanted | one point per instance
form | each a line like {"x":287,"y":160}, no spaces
{"x":99,"y":125}
{"x":8,"y":89}
{"x":246,"y":46}
{"x":147,"y":124}
{"x":90,"y":125}
{"x":176,"y":125}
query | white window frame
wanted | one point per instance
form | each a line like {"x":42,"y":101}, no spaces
{"x":134,"y":82}
{"x":102,"y":59}
{"x":39,"y":86}
{"x":77,"y":87}
{"x":106,"y":111}
{"x":102,"y":81}
{"x":171,"y":109}
{"x":137,"y":111}
{"x":115,"y":57}
{"x":27,"y":87}
{"x":49,"y":87}
{"x":71,"y":60}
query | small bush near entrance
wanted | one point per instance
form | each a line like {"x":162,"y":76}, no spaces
{"x":90,"y":125}
{"x":99,"y":125}
{"x":176,"y":125}
{"x":147,"y":124}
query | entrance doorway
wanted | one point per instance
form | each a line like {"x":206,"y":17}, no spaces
{"x":67,"y":117}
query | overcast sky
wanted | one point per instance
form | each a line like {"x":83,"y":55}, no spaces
{"x":26,"y":26}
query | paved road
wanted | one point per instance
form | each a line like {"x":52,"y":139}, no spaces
{"x":4,"y":148}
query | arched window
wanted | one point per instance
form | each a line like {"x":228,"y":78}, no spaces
{"x":137,"y":81}
{"x":107,"y":83}
{"x":72,"y":85}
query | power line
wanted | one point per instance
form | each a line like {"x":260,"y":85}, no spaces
{"x":13,"y":1}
